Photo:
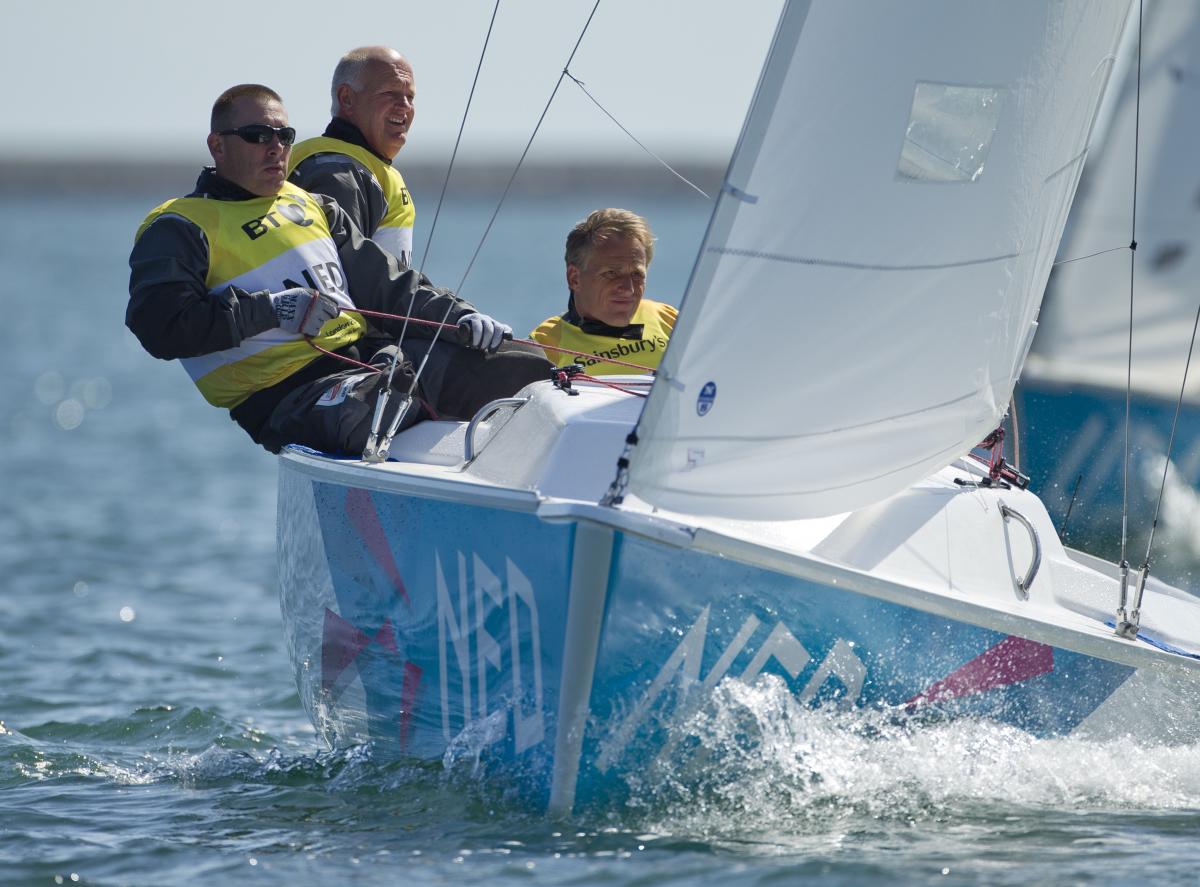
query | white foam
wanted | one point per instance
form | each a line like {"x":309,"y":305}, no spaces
{"x":752,"y":757}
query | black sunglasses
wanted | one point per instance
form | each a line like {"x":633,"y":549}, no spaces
{"x":261,"y":134}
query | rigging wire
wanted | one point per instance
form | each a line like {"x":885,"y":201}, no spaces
{"x":1127,"y":626}
{"x":1137,"y":112}
{"x":1171,"y":440}
{"x":1132,"y":265}
{"x":457,"y":141}
{"x":524,"y":153}
{"x":1062,"y":530}
{"x":638,"y":142}
{"x":504,"y":195}
{"x":1090,"y":255}
{"x":372,"y":449}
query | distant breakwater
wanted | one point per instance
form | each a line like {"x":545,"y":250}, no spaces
{"x":171,"y":178}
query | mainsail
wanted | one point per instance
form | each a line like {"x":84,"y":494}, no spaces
{"x":1084,"y":329}
{"x":868,"y":286}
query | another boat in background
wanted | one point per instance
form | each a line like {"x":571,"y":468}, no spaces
{"x":1093,"y":337}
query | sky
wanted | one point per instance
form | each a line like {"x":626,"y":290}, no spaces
{"x":136,"y":79}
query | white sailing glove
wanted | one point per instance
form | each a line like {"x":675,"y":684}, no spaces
{"x":303,"y":311}
{"x":481,"y":332}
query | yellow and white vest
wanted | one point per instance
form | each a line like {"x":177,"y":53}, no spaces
{"x":268,"y":243}
{"x":657,"y":319}
{"x":395,"y":230}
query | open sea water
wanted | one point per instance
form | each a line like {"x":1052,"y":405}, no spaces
{"x":150,"y":730}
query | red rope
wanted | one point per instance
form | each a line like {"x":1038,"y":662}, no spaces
{"x":623,"y":387}
{"x":357,"y":363}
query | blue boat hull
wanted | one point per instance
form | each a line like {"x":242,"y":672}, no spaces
{"x":440,"y":630}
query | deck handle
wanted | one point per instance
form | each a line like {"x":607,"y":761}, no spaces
{"x":1011,"y":513}
{"x":482,"y":414}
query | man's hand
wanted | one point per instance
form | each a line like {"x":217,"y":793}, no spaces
{"x":303,"y":311}
{"x":481,"y":332}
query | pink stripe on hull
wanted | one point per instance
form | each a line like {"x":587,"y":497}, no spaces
{"x":341,"y":644}
{"x":408,"y":701}
{"x":1011,"y":661}
{"x":360,"y":508}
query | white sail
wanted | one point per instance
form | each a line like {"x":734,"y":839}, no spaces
{"x":1084,"y":329}
{"x":868,"y":286}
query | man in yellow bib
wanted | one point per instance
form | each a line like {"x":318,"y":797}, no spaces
{"x":607,"y":256}
{"x":258,"y":288}
{"x":373,"y":106}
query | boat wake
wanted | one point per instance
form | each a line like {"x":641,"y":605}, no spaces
{"x":749,"y":772}
{"x":749,"y":760}
{"x":753,"y":760}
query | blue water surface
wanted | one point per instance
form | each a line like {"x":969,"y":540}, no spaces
{"x":151,"y":732}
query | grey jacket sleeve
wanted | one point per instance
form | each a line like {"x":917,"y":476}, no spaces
{"x":378,"y":282}
{"x":170,"y":310}
{"x":349,"y":183}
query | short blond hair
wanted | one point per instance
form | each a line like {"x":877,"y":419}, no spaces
{"x":603,"y":224}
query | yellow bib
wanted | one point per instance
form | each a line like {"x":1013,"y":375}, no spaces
{"x":395,"y":231}
{"x":268,"y":243}
{"x":657,"y":319}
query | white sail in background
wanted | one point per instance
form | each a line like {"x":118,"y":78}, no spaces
{"x":868,"y":286}
{"x":1084,"y":331}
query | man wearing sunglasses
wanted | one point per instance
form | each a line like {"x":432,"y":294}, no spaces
{"x":254,"y":285}
{"x":374,"y":94}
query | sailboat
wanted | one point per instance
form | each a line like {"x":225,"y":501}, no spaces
{"x":547,"y":590}
{"x":1095,"y":341}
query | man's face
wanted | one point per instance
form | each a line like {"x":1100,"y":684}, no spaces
{"x":383,"y":109}
{"x":260,"y":169}
{"x":610,"y":284}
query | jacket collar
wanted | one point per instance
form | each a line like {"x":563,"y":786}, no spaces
{"x":216,"y":187}
{"x":343,"y":130}
{"x":599,"y":328}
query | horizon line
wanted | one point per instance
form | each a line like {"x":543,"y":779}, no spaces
{"x":56,"y":176}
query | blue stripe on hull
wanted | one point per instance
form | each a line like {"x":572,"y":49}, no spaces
{"x":447,"y":622}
